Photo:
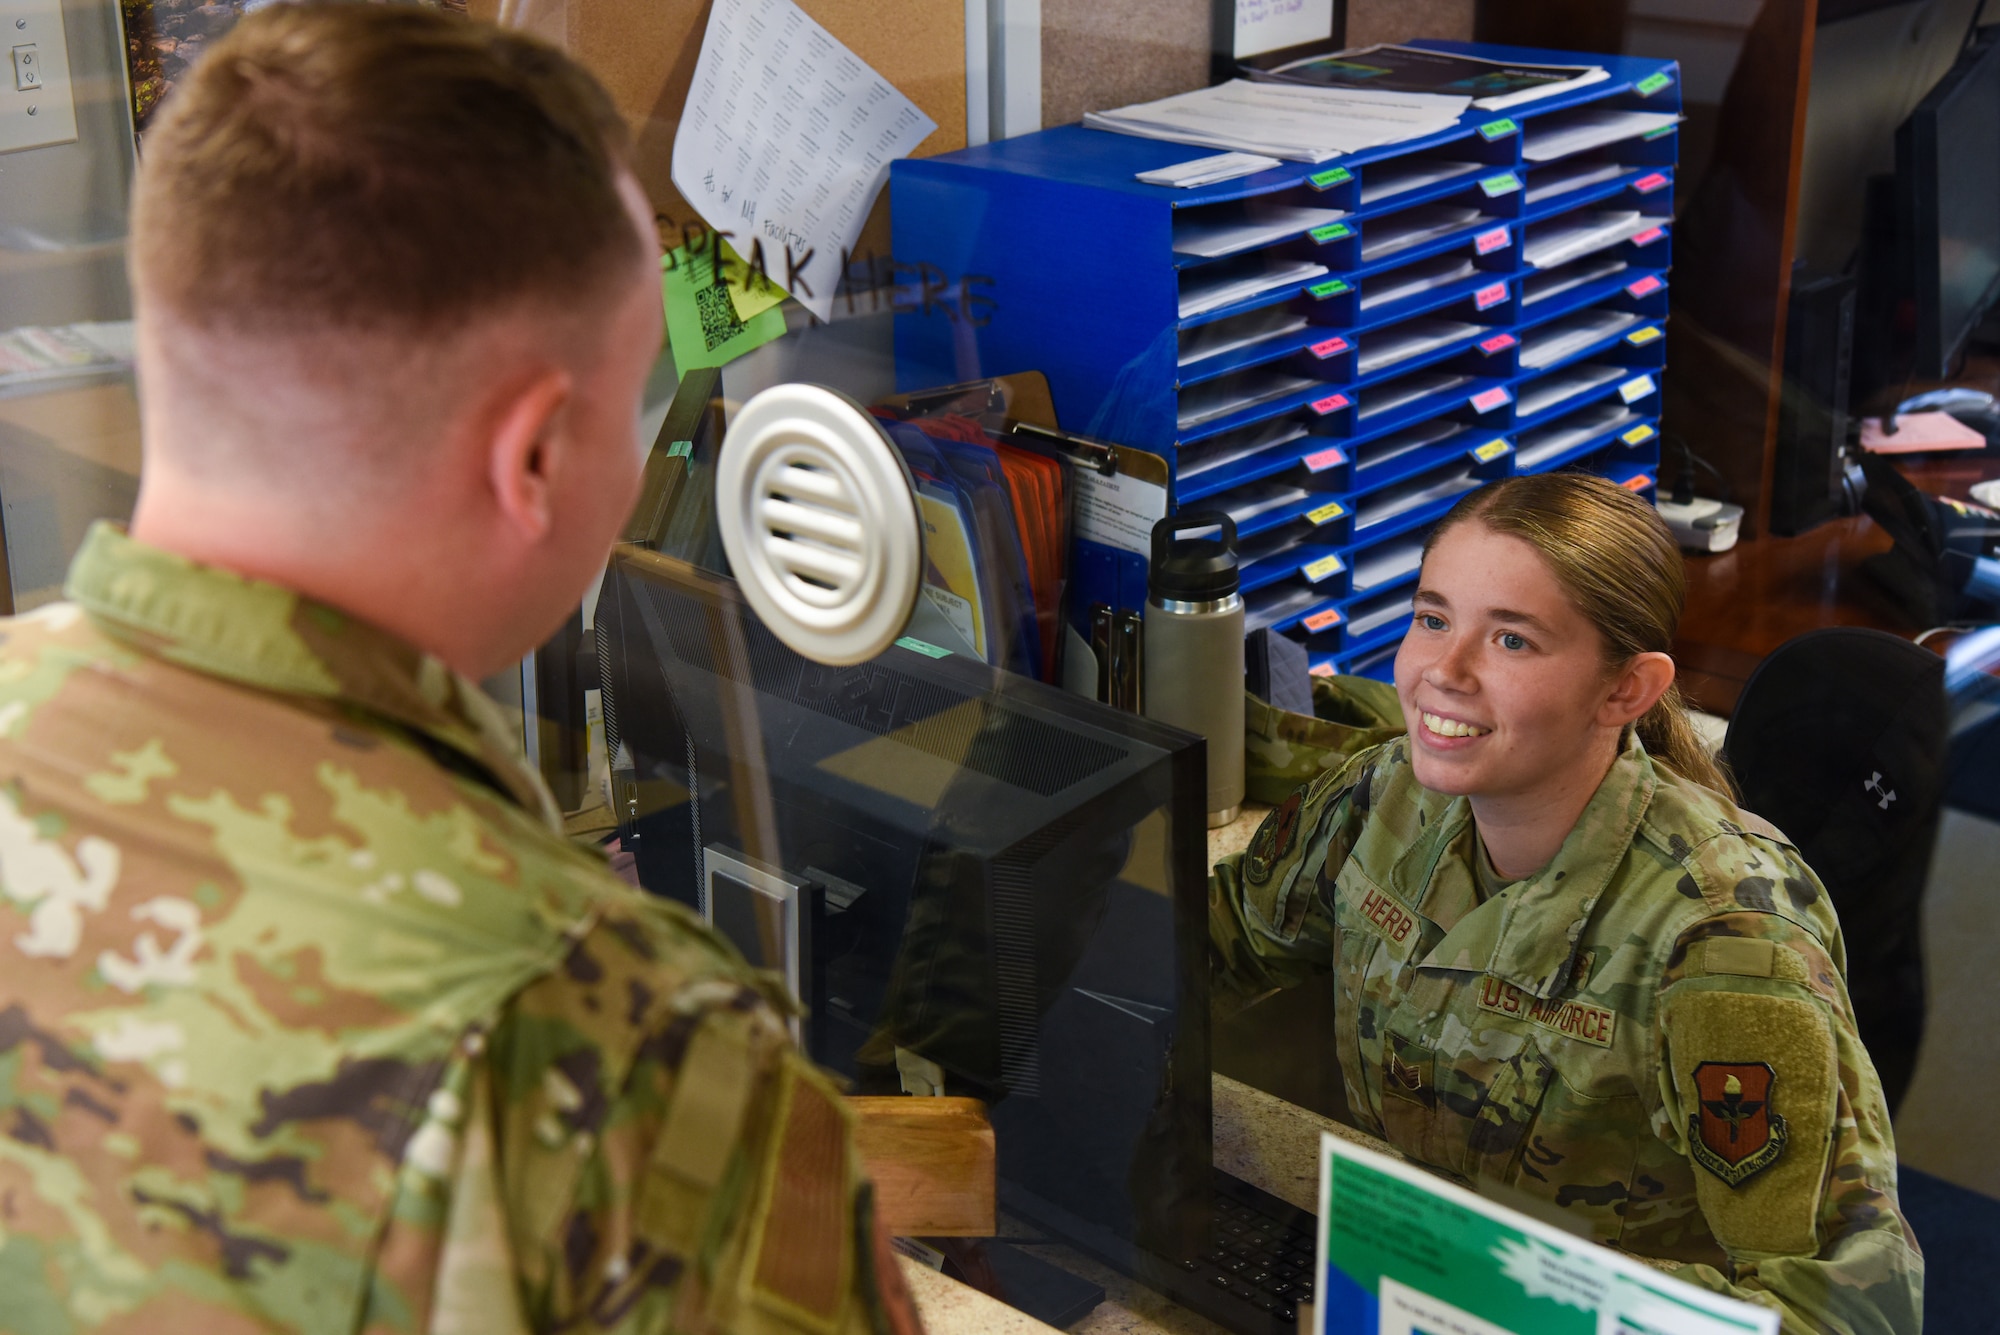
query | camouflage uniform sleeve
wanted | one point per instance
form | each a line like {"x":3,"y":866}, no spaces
{"x":1269,"y":925}
{"x":1768,"y":1090}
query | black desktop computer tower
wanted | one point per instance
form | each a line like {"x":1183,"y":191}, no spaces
{"x":1806,"y":480}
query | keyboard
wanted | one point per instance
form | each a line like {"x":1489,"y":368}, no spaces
{"x":1256,"y":1268}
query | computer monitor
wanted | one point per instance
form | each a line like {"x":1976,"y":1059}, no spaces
{"x":1948,"y":188}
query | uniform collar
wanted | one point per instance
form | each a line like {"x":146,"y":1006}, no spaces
{"x":1528,"y":936}
{"x":265,"y":636}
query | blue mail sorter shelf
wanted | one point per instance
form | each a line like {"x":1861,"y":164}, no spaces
{"x":1336,"y":415}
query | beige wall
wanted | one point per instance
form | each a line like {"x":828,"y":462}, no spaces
{"x":1370,"y":21}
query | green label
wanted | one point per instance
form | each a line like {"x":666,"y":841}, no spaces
{"x":1332,"y":287}
{"x":1653,"y":83}
{"x":1662,"y":132}
{"x":1331,"y":232}
{"x":1499,"y":129}
{"x":1326,"y":180}
{"x":917,"y":646}
{"x":1506,"y":183}
{"x":680,"y":449}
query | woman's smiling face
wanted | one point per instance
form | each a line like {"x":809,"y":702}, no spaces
{"x":1502,"y":680}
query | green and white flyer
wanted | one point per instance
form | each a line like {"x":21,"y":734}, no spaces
{"x":1404,"y":1253}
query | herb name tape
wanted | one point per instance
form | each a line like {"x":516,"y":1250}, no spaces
{"x":1498,"y":343}
{"x":1638,"y":387}
{"x":1332,"y":403}
{"x":1319,"y":621}
{"x":1488,"y":399}
{"x":1506,"y":183}
{"x":1652,"y":83}
{"x":1499,"y":129}
{"x":1649,"y":236}
{"x":1638,"y":435}
{"x":1330,"y":511}
{"x":1491,"y":450}
{"x":1321,"y":460}
{"x":1331,"y":287}
{"x":1497,"y":239}
{"x":1329,"y":347}
{"x":1320,"y":569}
{"x":1638,"y":482}
{"x":1489,"y":296}
{"x":1331,"y":232}
{"x":1639,"y":338}
{"x":1329,"y":178}
{"x":1645,"y":287}
{"x":1652,"y":181}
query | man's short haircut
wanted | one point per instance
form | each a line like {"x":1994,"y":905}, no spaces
{"x":350,"y":167}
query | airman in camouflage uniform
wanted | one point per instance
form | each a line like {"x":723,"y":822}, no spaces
{"x":311,"y":1021}
{"x":1652,"y":1034}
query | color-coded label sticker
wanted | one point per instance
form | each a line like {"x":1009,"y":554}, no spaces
{"x":1652,"y":83}
{"x":1320,"y":670}
{"x":1491,"y":450}
{"x":1332,"y":403}
{"x":1319,"y":621}
{"x":1639,"y":338}
{"x":1506,"y":183}
{"x":1638,"y":387}
{"x":1320,"y":569}
{"x":1647,"y":184}
{"x":1660,"y":133}
{"x":917,"y":646}
{"x":1649,"y":236}
{"x":1645,"y":287}
{"x":1497,"y":239}
{"x":1498,"y":343}
{"x":1331,"y":510}
{"x":1331,"y":287}
{"x":1321,"y":460}
{"x":1488,"y":399}
{"x":1331,"y":232}
{"x":1499,"y":129}
{"x":1329,"y":178}
{"x":1490,"y":296}
{"x":1639,"y":483}
{"x":1638,"y":435}
{"x":680,"y":449}
{"x":1329,"y":347}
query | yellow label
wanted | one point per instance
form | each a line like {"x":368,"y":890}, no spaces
{"x":1641,"y":337}
{"x":1331,"y":510}
{"x":1490,"y":451}
{"x":1638,"y":435}
{"x":1320,"y":569}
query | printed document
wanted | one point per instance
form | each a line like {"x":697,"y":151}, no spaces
{"x":1287,"y":121}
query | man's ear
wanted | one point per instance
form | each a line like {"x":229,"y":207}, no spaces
{"x":525,"y":453}
{"x":1636,"y":689}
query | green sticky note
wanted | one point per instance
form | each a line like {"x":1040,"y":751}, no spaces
{"x":1653,"y":83}
{"x":1332,"y":287}
{"x":1329,"y":178}
{"x":917,"y":646}
{"x":1331,"y":232}
{"x":1499,"y":129}
{"x":703,"y":323}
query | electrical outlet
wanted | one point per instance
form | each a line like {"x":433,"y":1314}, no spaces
{"x":36,"y":107}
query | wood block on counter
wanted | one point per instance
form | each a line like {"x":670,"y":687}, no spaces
{"x":933,"y":1164}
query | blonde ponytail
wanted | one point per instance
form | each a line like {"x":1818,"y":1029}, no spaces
{"x":1670,"y":738}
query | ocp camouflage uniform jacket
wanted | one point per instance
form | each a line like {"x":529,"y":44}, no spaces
{"x":310,"y":1019}
{"x":1548,"y":1039}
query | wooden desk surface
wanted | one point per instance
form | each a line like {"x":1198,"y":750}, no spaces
{"x":1745,"y":602}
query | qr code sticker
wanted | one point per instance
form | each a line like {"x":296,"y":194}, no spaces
{"x":718,"y":315}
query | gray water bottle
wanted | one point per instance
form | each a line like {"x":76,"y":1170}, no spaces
{"x":1194,"y":647}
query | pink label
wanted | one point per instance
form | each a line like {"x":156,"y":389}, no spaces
{"x":1319,"y":621}
{"x":1645,"y":286}
{"x":1488,"y":400}
{"x":1321,"y":460}
{"x":1497,"y":239}
{"x":1649,"y":236}
{"x":1328,"y":348}
{"x":1498,"y":343}
{"x":1489,"y":296}
{"x":1320,"y":670}
{"x":1646,"y":185}
{"x":1332,"y":403}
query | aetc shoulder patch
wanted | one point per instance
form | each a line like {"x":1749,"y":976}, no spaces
{"x":1733,"y":1133}
{"x":1273,"y":840}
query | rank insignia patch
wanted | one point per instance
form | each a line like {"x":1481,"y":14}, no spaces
{"x":1274,"y":840}
{"x":1733,"y":1133}
{"x":1408,"y":1069}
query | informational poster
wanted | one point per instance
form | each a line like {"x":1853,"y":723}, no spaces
{"x":1404,"y":1253}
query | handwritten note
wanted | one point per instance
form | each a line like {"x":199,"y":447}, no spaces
{"x":786,"y":140}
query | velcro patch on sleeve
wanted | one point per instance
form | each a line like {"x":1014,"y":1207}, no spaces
{"x":1746,"y":957}
{"x":804,"y":1256}
{"x":1755,"y":1078}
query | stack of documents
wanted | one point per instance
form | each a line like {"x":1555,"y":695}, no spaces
{"x":1374,"y":616}
{"x":1575,"y":235}
{"x":1237,"y":332}
{"x":1538,"y":447}
{"x":1497,"y":84}
{"x":1236,"y":446}
{"x":1212,"y":288}
{"x":1216,"y":399}
{"x":1397,"y":444}
{"x":1209,"y":170}
{"x":1213,"y":232}
{"x":1549,"y":182}
{"x":1289,"y":121}
{"x":1267,"y":607}
{"x":1415,"y":280}
{"x":35,"y":353}
{"x":1386,"y":180}
{"x":1565,"y":132}
{"x":1547,"y":393}
{"x":1413,"y":227}
{"x":1387,"y":563}
{"x":1538,"y":287}
{"x":1412,"y":338}
{"x":1552,"y":342}
{"x":1400,"y":393}
{"x":1381,"y":508}
{"x":1246,"y":503}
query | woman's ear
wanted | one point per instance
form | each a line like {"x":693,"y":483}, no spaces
{"x":1636,"y":688}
